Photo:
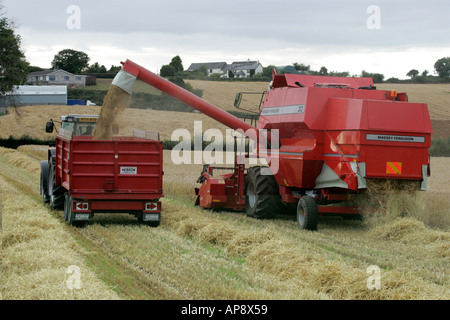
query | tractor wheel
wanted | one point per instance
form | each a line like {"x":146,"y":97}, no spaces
{"x":262,"y":198}
{"x":56,"y":200}
{"x":44,"y":182}
{"x":307,"y":213}
{"x":66,"y":207}
{"x":71,"y":214}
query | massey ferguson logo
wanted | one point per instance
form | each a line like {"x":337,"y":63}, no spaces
{"x":383,"y":137}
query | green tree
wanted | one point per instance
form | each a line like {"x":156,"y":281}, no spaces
{"x":70,"y":60}
{"x":114,"y":69}
{"x":301,"y":66}
{"x":13,"y":65}
{"x":34,"y":69}
{"x":376,"y":77}
{"x":323,"y":71}
{"x":267,"y":71}
{"x":413,"y":73}
{"x":96,"y":68}
{"x":177,"y":64}
{"x":167,"y":71}
{"x":442,"y":67}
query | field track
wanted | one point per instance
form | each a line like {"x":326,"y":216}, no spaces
{"x":198,"y":254}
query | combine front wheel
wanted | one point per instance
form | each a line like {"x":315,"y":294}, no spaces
{"x":262,"y":199}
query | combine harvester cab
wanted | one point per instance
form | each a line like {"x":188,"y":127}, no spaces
{"x":85,"y":176}
{"x":329,"y":136}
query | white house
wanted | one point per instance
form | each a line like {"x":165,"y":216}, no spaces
{"x":238,"y":69}
{"x":244,"y":69}
{"x":211,"y":67}
{"x":55,"y":77}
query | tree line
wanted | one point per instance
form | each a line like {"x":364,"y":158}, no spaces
{"x":78,"y":62}
{"x":442,"y":69}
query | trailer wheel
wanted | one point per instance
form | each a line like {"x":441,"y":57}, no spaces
{"x":44,"y":182}
{"x":71,"y":214}
{"x":262,"y":199}
{"x":307,"y":213}
{"x":56,"y":200}
{"x":153,"y":224}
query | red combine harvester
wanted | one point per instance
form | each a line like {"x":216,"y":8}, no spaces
{"x":323,"y":138}
{"x":86,"y":176}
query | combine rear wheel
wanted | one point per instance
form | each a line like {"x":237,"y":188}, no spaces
{"x":307,"y":213}
{"x":262,"y":199}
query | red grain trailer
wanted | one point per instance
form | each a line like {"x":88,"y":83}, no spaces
{"x":86,"y":176}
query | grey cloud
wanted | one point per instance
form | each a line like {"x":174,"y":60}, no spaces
{"x":311,"y":22}
{"x":259,"y":27}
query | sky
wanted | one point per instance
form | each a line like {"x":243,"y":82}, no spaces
{"x":379,"y":36}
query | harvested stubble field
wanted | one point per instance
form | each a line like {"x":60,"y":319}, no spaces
{"x":199,"y":254}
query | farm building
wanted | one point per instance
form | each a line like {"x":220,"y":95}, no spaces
{"x":35,"y":95}
{"x":244,"y":69}
{"x":239,"y":69}
{"x":55,"y":77}
{"x":211,"y":67}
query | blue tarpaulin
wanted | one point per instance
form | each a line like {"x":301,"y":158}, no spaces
{"x":73,"y":102}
